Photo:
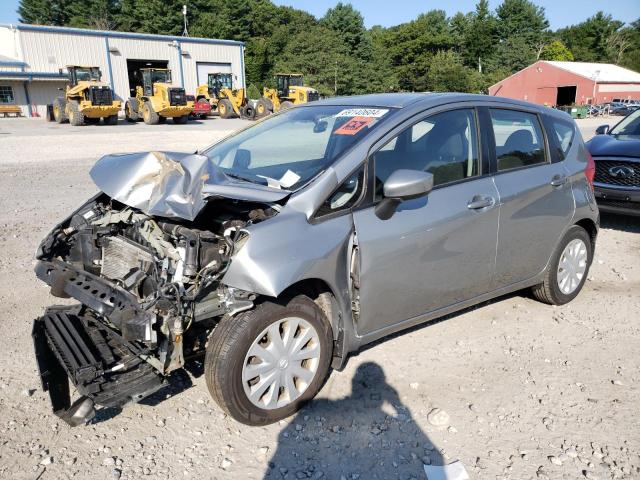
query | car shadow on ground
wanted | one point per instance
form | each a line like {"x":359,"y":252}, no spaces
{"x":625,"y":223}
{"x":368,"y":434}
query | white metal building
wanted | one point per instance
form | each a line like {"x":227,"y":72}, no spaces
{"x":31,"y":57}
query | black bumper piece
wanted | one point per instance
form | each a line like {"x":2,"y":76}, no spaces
{"x":617,"y":200}
{"x":105,"y":369}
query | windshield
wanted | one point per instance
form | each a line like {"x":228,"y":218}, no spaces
{"x":158,"y":76}
{"x":219,"y":81}
{"x":296,"y":81}
{"x":87,"y":74}
{"x":628,"y":127}
{"x":287,"y":150}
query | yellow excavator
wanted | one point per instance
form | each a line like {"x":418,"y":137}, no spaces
{"x":86,"y":99}
{"x":227,"y":101}
{"x":289,"y":91}
{"x":157,"y":99}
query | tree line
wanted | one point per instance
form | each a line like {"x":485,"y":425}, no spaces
{"x":466,"y":52}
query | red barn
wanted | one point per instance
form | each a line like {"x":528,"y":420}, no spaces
{"x":567,"y":83}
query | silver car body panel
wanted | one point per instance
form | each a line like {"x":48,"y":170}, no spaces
{"x":415,"y":257}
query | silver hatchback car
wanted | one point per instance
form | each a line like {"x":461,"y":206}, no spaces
{"x":282,"y":249}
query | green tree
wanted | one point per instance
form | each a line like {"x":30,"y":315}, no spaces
{"x":556,"y":50}
{"x":347,"y":22}
{"x":411,"y":45}
{"x":43,"y":12}
{"x":448,"y":74}
{"x":323,"y":57}
{"x":589,"y":40}
{"x":481,"y":36}
{"x":631,"y":58}
{"x":97,"y":14}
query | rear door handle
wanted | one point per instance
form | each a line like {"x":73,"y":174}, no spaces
{"x":558,"y":180}
{"x":478,"y":202}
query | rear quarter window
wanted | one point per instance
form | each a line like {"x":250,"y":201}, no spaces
{"x":565,"y":133}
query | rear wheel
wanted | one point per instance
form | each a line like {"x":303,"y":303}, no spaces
{"x":263,"y":364}
{"x":568,"y":268}
{"x":111,"y":120}
{"x":181,"y":120}
{"x":58,"y":110}
{"x":225,"y":108}
{"x":149,"y":115}
{"x":76,"y":118}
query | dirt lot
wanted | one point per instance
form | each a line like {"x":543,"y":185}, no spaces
{"x":524,"y":390}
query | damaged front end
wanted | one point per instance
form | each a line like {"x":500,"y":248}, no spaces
{"x":149,"y":287}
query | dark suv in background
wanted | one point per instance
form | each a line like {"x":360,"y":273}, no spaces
{"x":616,"y":152}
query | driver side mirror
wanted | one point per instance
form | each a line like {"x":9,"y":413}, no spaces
{"x":602,"y":130}
{"x":400,"y":186}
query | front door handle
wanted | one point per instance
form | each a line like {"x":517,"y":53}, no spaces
{"x":558,"y":180}
{"x":479,"y":201}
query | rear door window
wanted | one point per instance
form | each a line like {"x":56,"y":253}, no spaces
{"x":519,"y":139}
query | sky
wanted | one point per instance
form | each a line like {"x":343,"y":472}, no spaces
{"x":560,"y":13}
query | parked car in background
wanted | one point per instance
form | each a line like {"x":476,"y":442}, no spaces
{"x":284,"y":248}
{"x":201,"y":110}
{"x":616,"y":152}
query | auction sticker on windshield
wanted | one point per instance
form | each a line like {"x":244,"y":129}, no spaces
{"x":354,"y":125}
{"x":363,"y":112}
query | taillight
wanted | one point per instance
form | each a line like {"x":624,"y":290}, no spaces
{"x":590,"y":171}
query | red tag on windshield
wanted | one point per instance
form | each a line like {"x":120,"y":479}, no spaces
{"x":354,"y":125}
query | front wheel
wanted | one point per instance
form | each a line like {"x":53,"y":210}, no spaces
{"x":568,"y":268}
{"x":263,"y":364}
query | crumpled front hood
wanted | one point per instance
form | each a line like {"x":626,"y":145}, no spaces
{"x":172,"y":184}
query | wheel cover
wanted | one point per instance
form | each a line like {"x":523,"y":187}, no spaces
{"x":572,"y":266}
{"x":281,"y":363}
{"x":223,"y":109}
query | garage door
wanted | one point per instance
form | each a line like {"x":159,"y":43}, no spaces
{"x":205,"y":68}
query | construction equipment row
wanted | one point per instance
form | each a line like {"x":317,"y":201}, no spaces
{"x":87,"y":99}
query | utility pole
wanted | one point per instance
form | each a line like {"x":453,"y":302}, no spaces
{"x":335,"y":80}
{"x":185,"y":33}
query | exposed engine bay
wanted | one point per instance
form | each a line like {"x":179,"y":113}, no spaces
{"x":150,"y":294}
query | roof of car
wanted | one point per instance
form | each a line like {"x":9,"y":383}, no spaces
{"x":402,"y":100}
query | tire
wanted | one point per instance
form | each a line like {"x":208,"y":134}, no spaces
{"x":181,"y":120}
{"x":249,"y":112}
{"x":131,"y":110}
{"x":227,"y":355}
{"x":262,"y":108}
{"x":58,"y":110}
{"x":111,"y":120}
{"x":203,"y":116}
{"x":550,"y":290}
{"x":225,"y":108}
{"x":149,"y":115}
{"x":76,"y":118}
{"x":285,"y":105}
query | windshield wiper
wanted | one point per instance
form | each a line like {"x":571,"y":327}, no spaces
{"x":244,"y":179}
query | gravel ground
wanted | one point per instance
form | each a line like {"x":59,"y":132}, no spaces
{"x":512,"y":388}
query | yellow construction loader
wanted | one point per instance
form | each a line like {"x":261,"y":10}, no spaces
{"x":224,"y":99}
{"x":210,"y":92}
{"x":157,"y":99}
{"x":289,"y":91}
{"x":86,"y":99}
